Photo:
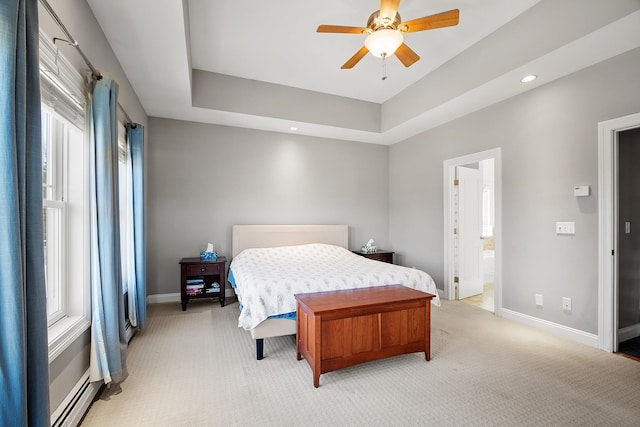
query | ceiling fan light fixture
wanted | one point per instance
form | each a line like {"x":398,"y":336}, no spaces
{"x":384,"y":42}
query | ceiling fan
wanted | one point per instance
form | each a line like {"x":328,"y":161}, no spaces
{"x":384,"y":32}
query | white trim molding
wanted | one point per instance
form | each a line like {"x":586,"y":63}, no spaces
{"x":560,"y":330}
{"x":607,"y":222}
{"x":175,"y":297}
{"x":160,"y":298}
{"x":629,"y":332}
{"x":64,"y":332}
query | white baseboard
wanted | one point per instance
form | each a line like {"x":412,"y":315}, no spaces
{"x":629,"y":332}
{"x":70,"y":412}
{"x":564,"y":331}
{"x":159,"y":298}
{"x":175,"y":297}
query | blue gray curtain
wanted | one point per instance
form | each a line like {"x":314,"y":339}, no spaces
{"x":24,"y":364}
{"x":138,"y":291}
{"x":108,"y":338}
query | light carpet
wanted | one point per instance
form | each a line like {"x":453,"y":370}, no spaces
{"x":197,"y":368}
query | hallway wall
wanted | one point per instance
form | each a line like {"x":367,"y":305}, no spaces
{"x":629,"y":243}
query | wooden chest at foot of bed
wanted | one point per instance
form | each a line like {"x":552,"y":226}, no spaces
{"x":337,"y":329}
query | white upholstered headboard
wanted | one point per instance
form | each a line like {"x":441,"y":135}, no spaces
{"x":269,"y":236}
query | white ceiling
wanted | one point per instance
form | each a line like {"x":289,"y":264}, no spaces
{"x":280,"y":44}
{"x":158,"y":44}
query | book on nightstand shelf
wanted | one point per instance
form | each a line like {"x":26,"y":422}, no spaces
{"x":195,"y":286}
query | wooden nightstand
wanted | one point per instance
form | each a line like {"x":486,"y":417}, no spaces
{"x":379,"y":255}
{"x":197,"y":279}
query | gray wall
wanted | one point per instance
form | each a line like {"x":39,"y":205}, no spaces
{"x":629,"y":244}
{"x":76,"y":15}
{"x":202,"y":179}
{"x":228,"y":93}
{"x":549,"y":144}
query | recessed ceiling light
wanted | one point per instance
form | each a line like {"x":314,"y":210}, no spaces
{"x":293,"y":128}
{"x":529,"y":78}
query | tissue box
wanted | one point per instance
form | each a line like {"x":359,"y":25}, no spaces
{"x":208,"y":256}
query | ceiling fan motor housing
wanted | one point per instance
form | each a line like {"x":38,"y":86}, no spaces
{"x":384,"y":32}
{"x":375,"y":22}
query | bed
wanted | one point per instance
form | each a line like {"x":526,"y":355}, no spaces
{"x":271,"y":263}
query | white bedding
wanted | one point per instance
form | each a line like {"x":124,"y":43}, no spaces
{"x":267,"y":279}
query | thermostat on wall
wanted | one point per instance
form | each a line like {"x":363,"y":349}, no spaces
{"x":582,"y":190}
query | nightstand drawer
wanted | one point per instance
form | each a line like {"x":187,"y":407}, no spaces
{"x":380,"y":255}
{"x":384,"y":257}
{"x":194,"y":270}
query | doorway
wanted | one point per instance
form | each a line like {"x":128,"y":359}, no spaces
{"x":628,"y":242}
{"x":619,"y":301}
{"x":472,"y":187}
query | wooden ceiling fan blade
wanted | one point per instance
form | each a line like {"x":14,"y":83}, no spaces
{"x":339,"y":29}
{"x":355,"y":58}
{"x":389,"y":8}
{"x":407,"y":56}
{"x":440,"y":20}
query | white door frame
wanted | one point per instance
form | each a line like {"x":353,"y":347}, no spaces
{"x":607,"y":224}
{"x":449,"y":173}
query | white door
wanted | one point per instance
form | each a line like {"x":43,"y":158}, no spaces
{"x":470,"y":275}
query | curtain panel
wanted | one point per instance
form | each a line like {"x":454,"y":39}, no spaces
{"x":138,"y":292}
{"x":108,"y":337}
{"x":24,"y":364}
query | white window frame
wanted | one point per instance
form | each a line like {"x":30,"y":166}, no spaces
{"x":63,"y":95}
{"x":54,"y":199}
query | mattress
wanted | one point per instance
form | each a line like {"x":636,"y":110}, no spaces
{"x":266,"y":279}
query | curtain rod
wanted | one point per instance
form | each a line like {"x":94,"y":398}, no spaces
{"x":95,"y":74}
{"x":126,"y":116}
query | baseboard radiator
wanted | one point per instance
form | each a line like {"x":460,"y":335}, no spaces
{"x":78,"y":401}
{"x":76,"y":404}
{"x":129,"y":330}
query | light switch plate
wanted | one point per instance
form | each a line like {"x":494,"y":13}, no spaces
{"x":581,"y":191}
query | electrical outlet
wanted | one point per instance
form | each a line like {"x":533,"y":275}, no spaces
{"x":566,"y":304}
{"x":538,"y":300}
{"x":565,"y":228}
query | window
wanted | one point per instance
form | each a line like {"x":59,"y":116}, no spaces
{"x":63,"y":204}
{"x":65,"y":198}
{"x":57,"y":136}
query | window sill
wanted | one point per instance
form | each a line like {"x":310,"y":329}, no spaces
{"x":64,"y":332}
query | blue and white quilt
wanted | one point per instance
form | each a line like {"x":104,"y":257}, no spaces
{"x":267,"y":279}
